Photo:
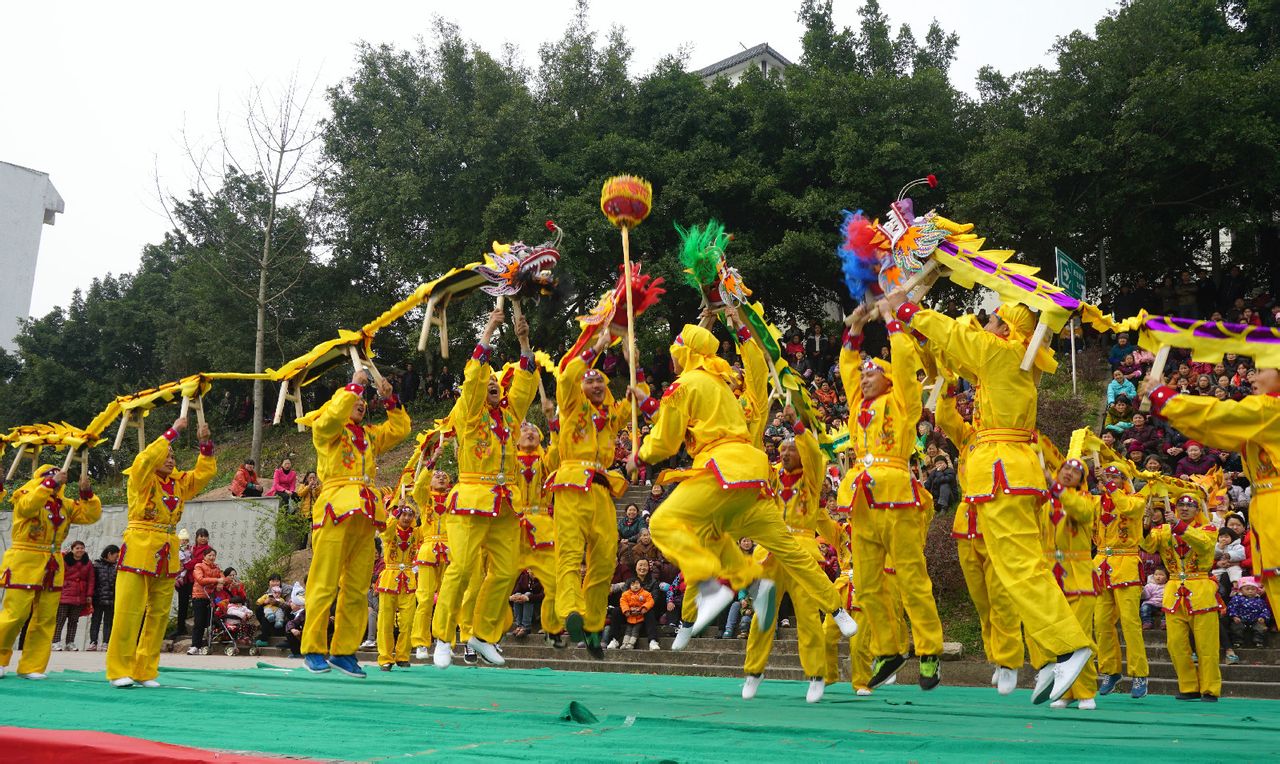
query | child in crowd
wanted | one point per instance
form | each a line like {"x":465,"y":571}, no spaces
{"x":1152,"y":607}
{"x":273,"y":604}
{"x":634,"y":604}
{"x":1248,"y":609}
{"x":1226,"y":559}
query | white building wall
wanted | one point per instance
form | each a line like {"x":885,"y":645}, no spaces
{"x":28,"y":201}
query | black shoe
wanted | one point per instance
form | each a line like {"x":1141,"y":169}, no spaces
{"x":930,"y":672}
{"x":402,"y":664}
{"x":594,"y":649}
{"x":1187,"y":696}
{"x":385,"y":666}
{"x":1209,"y":697}
{"x":574,"y":625}
{"x":885,"y":667}
{"x":469,"y":656}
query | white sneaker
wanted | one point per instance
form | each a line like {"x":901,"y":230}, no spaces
{"x":765,"y":598}
{"x":3,"y":670}
{"x":995,"y":677}
{"x":1088,"y":704}
{"x":848,"y":627}
{"x":123,"y":681}
{"x":1059,"y":703}
{"x":1044,"y":684}
{"x":653,"y":645}
{"x":443,"y":654}
{"x":487,"y":651}
{"x":891,"y":680}
{"x":863,"y":692}
{"x":817,"y":688}
{"x":713,"y":598}
{"x":683,"y":635}
{"x":1006,"y":680}
{"x":34,"y":675}
{"x":750,"y":685}
{"x":193,"y":651}
{"x":151,"y":683}
{"x":422,"y":653}
{"x":613,"y":645}
{"x":57,"y":647}
{"x":1066,"y":672}
{"x":368,"y":644}
{"x":73,"y":648}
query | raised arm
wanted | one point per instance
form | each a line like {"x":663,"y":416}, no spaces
{"x":968,"y":344}
{"x":477,"y":372}
{"x":193,"y":481}
{"x":336,"y":412}
{"x":386,"y":435}
{"x":524,"y":385}
{"x":87,"y":509}
{"x":906,"y":363}
{"x":29,"y":504}
{"x":1218,"y":424}
{"x":670,"y":421}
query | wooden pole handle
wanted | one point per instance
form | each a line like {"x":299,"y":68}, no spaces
{"x":631,"y":337}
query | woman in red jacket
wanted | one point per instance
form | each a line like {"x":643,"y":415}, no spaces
{"x":207,"y":576}
{"x":77,"y":595}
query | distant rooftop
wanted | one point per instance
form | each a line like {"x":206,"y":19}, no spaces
{"x":759,"y":50}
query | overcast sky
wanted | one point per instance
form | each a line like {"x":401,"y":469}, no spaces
{"x":98,"y":94}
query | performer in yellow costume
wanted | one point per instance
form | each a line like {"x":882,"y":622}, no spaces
{"x":32,"y":569}
{"x":1120,"y":515}
{"x":397,"y":588}
{"x":586,"y":520}
{"x":1250,"y":426}
{"x":885,"y":505}
{"x":483,"y":520}
{"x":431,"y":496}
{"x":1004,"y":477}
{"x":537,"y":526}
{"x":798,"y":481}
{"x":344,"y":518}
{"x":157,"y":494}
{"x":1068,"y":522}
{"x":1186,"y":542}
{"x":860,"y":658}
{"x":1001,"y":629}
{"x":727,"y":486}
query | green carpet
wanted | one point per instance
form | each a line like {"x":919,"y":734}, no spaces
{"x":545,"y":715}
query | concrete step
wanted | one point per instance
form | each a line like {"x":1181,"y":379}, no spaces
{"x":1158,"y":637}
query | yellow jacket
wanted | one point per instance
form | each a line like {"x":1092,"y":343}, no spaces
{"x":533,"y":498}
{"x":1187,"y":550}
{"x":1066,"y":531}
{"x":1119,"y":532}
{"x":346,"y":458}
{"x":1001,"y":460}
{"x":700,"y":412}
{"x":755,"y":386}
{"x":882,"y":431}
{"x":588,"y":433}
{"x":800,"y":494}
{"x":150,"y":544}
{"x":965,"y":523}
{"x":399,"y":550}
{"x":42,"y":516}
{"x":486,"y":436}
{"x":432,"y":522}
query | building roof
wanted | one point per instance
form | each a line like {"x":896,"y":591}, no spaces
{"x":737,"y":58}
{"x":53,"y":203}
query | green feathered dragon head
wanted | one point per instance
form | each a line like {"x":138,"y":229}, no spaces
{"x":701,"y":252}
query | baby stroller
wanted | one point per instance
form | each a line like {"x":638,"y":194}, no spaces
{"x":230,"y":632}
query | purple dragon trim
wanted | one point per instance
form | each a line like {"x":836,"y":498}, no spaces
{"x":1219,"y":330}
{"x":1025,"y":283}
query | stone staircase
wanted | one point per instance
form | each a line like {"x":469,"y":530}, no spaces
{"x":1257,"y":675}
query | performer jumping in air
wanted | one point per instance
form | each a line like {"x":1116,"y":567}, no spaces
{"x":483,"y":520}
{"x":728,"y":485}
{"x":32,"y":569}
{"x":344,"y":518}
{"x":1003,"y":476}
{"x":885,"y":506}
{"x":157,"y":494}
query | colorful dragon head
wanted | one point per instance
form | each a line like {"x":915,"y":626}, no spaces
{"x":519,"y":270}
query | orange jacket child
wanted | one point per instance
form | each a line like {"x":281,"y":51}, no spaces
{"x":631,"y":602}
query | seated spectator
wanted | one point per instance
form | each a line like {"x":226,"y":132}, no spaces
{"x":642,"y":548}
{"x":1236,"y":523}
{"x":273,"y":608}
{"x":1119,"y":350}
{"x":236,"y":612}
{"x":526,"y":602}
{"x":1248,"y":609}
{"x":1142,"y":434}
{"x":1120,"y":385}
{"x":636,"y":606}
{"x":825,"y":394}
{"x":1152,"y":607}
{"x":1120,"y":414}
{"x":245,"y":483}
{"x":1154,"y":463}
{"x":1204,"y":385}
{"x":630,"y":524}
{"x":1130,"y":369}
{"x":284,"y":483}
{"x":651,"y":502}
{"x":293,"y":632}
{"x":1227,"y":556}
{"x":941,"y":483}
{"x":1196,"y":462}
{"x":777,"y":431}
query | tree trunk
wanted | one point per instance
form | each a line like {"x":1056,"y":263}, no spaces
{"x":260,"y":336}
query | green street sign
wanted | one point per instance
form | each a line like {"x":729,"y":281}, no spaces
{"x":1070,"y":274}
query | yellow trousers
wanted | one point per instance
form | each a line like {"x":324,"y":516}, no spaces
{"x":586,"y":529}
{"x":1203,"y":675}
{"x":1011,"y":530}
{"x":342,"y":558}
{"x":543,"y":564}
{"x":899,"y":535}
{"x":1122,"y":604}
{"x":142,"y":605}
{"x":1001,"y":629}
{"x":395,"y":610}
{"x":429,"y":577}
{"x":699,"y":509}
{"x":471,"y":537}
{"x":809,"y":632}
{"x":466,"y":614}
{"x":42,"y":607}
{"x":1086,"y":685}
{"x":860,"y":657}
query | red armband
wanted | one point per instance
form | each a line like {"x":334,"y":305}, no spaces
{"x":906,"y":311}
{"x":1159,"y":397}
{"x":894,"y":326}
{"x":526,"y":362}
{"x":206,"y":448}
{"x":1180,"y":528}
{"x":86,"y":495}
{"x":171,"y":435}
{"x":743,"y":334}
{"x":391,"y":402}
{"x":49,"y":483}
{"x":481,"y":353}
{"x":649,"y":406}
{"x":798,"y":430}
{"x":354,"y":388}
{"x":852,"y":341}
